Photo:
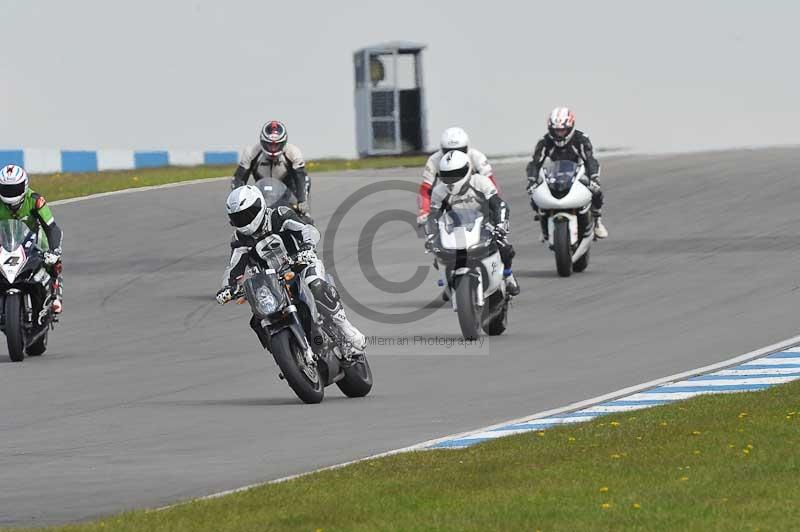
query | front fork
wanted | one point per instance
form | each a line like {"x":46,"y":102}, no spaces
{"x":297,"y":330}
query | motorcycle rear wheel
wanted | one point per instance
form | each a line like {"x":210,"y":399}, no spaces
{"x":38,"y":347}
{"x":582,"y":263}
{"x":286,"y":352}
{"x":499,"y":323}
{"x":357,"y":380}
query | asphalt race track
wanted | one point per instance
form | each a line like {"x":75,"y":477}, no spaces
{"x":151,"y":393}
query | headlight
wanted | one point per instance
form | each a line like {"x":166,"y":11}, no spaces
{"x":266,"y":301}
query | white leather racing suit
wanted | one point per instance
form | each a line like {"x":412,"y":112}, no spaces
{"x":479,"y":162}
{"x":289,"y":167}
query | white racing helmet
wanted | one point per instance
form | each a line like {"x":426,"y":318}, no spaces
{"x":455,"y":169}
{"x":246,"y":209}
{"x":13,"y":185}
{"x":454,"y":138}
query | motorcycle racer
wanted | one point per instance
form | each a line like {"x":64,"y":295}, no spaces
{"x":19,"y":202}
{"x":453,"y":138}
{"x":274,"y":157}
{"x":564,"y":142}
{"x":254,"y":222}
{"x":458,"y":183}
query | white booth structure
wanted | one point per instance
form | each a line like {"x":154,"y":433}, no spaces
{"x":389,"y":99}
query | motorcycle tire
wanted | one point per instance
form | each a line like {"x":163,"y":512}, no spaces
{"x":469,"y":314}
{"x":38,"y":347}
{"x":562,"y":248}
{"x":582,"y":263}
{"x":286,"y":351}
{"x":499,"y":323}
{"x":14,"y":336}
{"x":357,"y":380}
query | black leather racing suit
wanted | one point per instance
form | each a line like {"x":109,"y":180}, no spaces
{"x":296,"y":236}
{"x":578,"y":149}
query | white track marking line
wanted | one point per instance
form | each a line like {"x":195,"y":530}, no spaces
{"x":756,"y":371}
{"x":138,"y":189}
{"x":772,"y":362}
{"x":615,"y":408}
{"x":722,"y":381}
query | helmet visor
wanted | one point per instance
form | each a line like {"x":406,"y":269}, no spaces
{"x":449,"y":177}
{"x":272,"y":148}
{"x":245,"y":217}
{"x":561,"y":132}
{"x":462,"y":149}
{"x":12,"y":191}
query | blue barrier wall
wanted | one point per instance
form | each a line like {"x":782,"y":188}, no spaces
{"x":220,"y":157}
{"x":150,"y":159}
{"x":12,"y":157}
{"x":78,"y":161}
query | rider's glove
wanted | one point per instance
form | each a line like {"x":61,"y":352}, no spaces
{"x":302,"y":207}
{"x":500,"y":231}
{"x":429,"y":247}
{"x":52,"y":257}
{"x":422,"y":219}
{"x":224,"y":295}
{"x":307,"y":256}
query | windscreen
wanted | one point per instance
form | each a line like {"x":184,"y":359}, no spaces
{"x":465,"y":218}
{"x":13,"y":234}
{"x":275,"y":193}
{"x":561,"y":175}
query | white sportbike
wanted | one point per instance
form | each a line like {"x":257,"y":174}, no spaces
{"x":472,"y":270}
{"x":565,"y":202}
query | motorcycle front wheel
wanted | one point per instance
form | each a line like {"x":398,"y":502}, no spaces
{"x":469,"y":314}
{"x":562,"y":248}
{"x":14,"y":336}
{"x":288,"y":354}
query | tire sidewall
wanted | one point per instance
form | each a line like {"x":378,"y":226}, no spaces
{"x":307,"y":391}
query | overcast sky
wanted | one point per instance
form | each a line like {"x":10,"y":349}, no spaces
{"x":667,"y":75}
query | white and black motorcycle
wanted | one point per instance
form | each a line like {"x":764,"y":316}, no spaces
{"x":472,"y":272}
{"x":565,"y":202}
{"x":26,"y":294}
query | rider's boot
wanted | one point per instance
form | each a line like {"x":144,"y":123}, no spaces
{"x":545,"y":230}
{"x":58,"y":304}
{"x":600,"y":230}
{"x":512,"y":286}
{"x":354,"y":340}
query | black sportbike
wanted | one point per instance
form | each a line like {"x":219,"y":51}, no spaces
{"x":306,"y":346}
{"x":26,"y":291}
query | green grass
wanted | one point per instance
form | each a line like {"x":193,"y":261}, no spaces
{"x":71,"y":185}
{"x":722,"y":462}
